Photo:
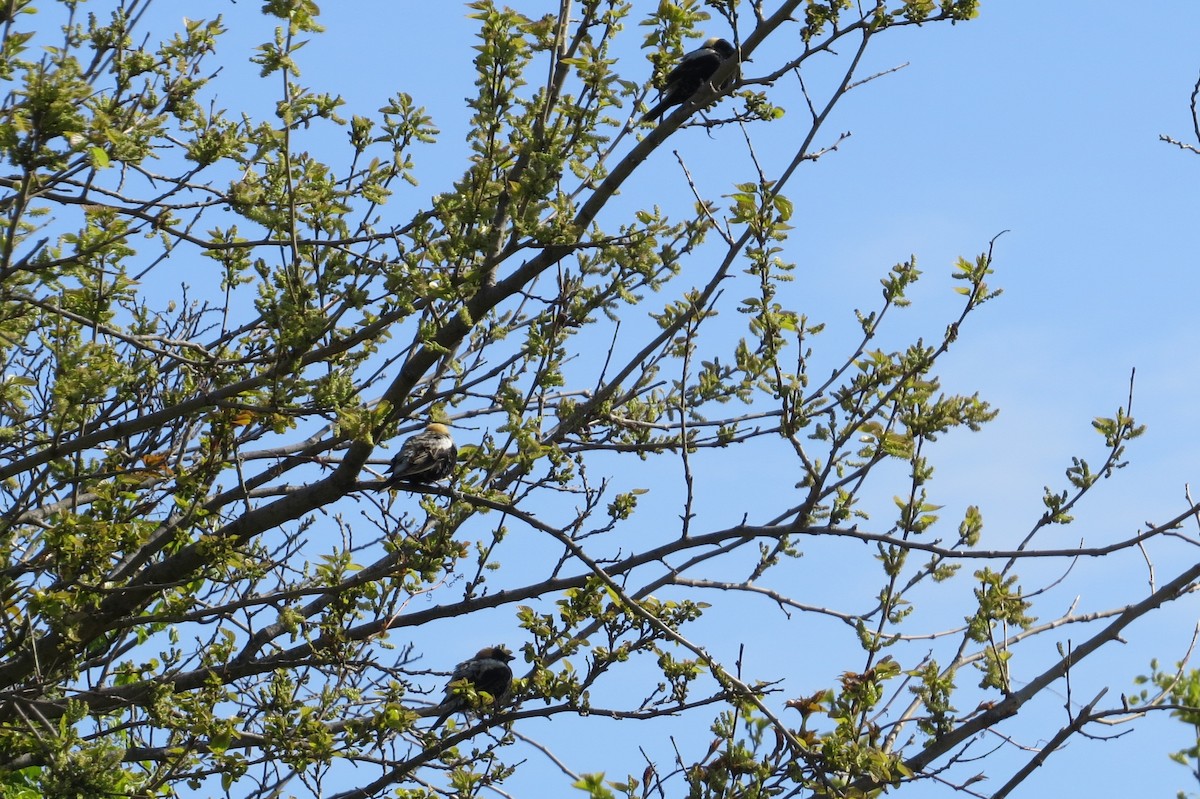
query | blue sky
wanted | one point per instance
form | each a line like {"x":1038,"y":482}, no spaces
{"x":1041,"y":119}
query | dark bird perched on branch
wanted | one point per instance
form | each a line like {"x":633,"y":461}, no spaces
{"x":487,"y":672}
{"x":693,"y":71}
{"x":427,"y":457}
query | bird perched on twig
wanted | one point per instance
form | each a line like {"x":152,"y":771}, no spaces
{"x":427,"y":457}
{"x":487,"y":672}
{"x":693,"y":71}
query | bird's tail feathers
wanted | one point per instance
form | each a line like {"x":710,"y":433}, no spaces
{"x":445,"y":710}
{"x":656,"y":111}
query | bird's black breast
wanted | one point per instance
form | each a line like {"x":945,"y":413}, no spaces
{"x":494,"y":678}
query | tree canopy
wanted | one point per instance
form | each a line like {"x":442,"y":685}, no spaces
{"x":218,"y":325}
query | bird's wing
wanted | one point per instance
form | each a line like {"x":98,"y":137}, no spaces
{"x":697,"y":61}
{"x":417,"y":459}
{"x":414,"y":461}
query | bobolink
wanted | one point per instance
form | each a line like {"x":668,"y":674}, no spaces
{"x":488,"y":672}
{"x":693,"y":71}
{"x":427,"y":457}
